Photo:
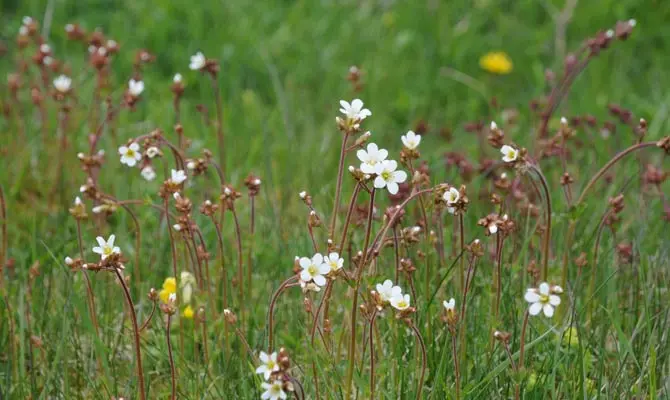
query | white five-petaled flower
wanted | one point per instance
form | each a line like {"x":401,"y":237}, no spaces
{"x":371,"y":158}
{"x":387,"y":291}
{"x":198,"y":61}
{"x":314,"y":269}
{"x":411,"y":140}
{"x":269,"y":364}
{"x":400,"y":302}
{"x":63,"y":83}
{"x":135,"y":88}
{"x":106,"y":247}
{"x":355,"y":110}
{"x":273,"y":391}
{"x":334,"y":261}
{"x":148,"y":173}
{"x":542,"y":299}
{"x":177,"y":176}
{"x":451,"y":196}
{"x":509,"y":153}
{"x":130,"y":155}
{"x":450,"y":305}
{"x":388,"y":177}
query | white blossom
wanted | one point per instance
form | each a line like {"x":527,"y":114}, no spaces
{"x":387,"y":290}
{"x":388,"y":177}
{"x":371,"y":158}
{"x":198,"y":61}
{"x":177,"y":177}
{"x":135,"y":88}
{"x":354,"y":111}
{"x":148,"y":173}
{"x":269,"y":364}
{"x":273,"y":391}
{"x":130,"y":155}
{"x":400,"y":302}
{"x":509,"y":153}
{"x":106,"y":247}
{"x":542,"y":299}
{"x":314,"y":269}
{"x":411,"y":140}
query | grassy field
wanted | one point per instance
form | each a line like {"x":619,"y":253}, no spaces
{"x":283,"y":70}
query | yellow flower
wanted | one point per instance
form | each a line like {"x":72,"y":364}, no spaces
{"x":496,"y":62}
{"x":169,"y":287}
{"x":188,"y":312}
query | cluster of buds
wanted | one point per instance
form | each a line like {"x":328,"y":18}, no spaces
{"x":624,"y":115}
{"x":476,"y":248}
{"x":208,"y":208}
{"x":74,"y":264}
{"x":75,"y":32}
{"x":503,"y":337}
{"x":306,"y":198}
{"x":91,"y":163}
{"x":253,"y":184}
{"x":170,"y":307}
{"x":654,"y":176}
{"x":177,"y":86}
{"x":450,"y":316}
{"x":566,"y":179}
{"x":458,"y":160}
{"x":494,"y":223}
{"x":111,"y":262}
{"x":616,"y":207}
{"x":198,"y":166}
{"x":200,"y":63}
{"x":502,"y":182}
{"x":358,"y":175}
{"x":625,"y":252}
{"x":107,"y":207}
{"x":664,"y":144}
{"x":455,"y":200}
{"x":391,"y":212}
{"x":354,"y":76}
{"x":143,"y":56}
{"x":496,"y":136}
{"x":410,"y":235}
{"x":228,"y":197}
{"x":90,"y":190}
{"x":78,"y":210}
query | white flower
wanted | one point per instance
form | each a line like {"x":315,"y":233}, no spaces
{"x":269,"y":364}
{"x":400,"y":302}
{"x":23,"y":31}
{"x":302,"y":194}
{"x":493,"y":227}
{"x":177,"y":78}
{"x":314,"y":269}
{"x":388,"y":177}
{"x":148,"y":173}
{"x":370,"y":158}
{"x":509,"y":153}
{"x":69,"y":260}
{"x":387,"y":291}
{"x":27,"y":20}
{"x":77,"y":201}
{"x":334,"y":261}
{"x":63,"y":83}
{"x":450,"y":305}
{"x":273,"y":391}
{"x":106,"y":248}
{"x":542,"y":299}
{"x":135,"y":88}
{"x":186,"y":283}
{"x":130,"y":155}
{"x":198,"y":61}
{"x":153,"y":152}
{"x":45,"y":48}
{"x":355,"y":110}
{"x":451,"y":196}
{"x":69,"y":28}
{"x":111,"y":43}
{"x":411,"y":140}
{"x":177,"y":177}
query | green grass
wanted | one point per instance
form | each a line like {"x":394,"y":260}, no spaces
{"x":283,"y":71}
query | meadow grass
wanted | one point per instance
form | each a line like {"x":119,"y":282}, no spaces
{"x":283,"y":70}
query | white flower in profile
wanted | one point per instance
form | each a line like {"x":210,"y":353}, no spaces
{"x":273,"y":391}
{"x":130,"y":155}
{"x":77,"y":201}
{"x":334,"y":261}
{"x":177,"y":177}
{"x":411,"y":140}
{"x":148,"y":173}
{"x":309,"y":286}
{"x":45,"y":48}
{"x":198,"y":61}
{"x":106,"y":247}
{"x":176,"y":78}
{"x":269,"y":364}
{"x":542,"y":299}
{"x":371,"y":158}
{"x":451,"y":196}
{"x":388,"y":177}
{"x":387,"y":291}
{"x":153,"y":152}
{"x":493,"y":227}
{"x":135,"y":88}
{"x":63,"y":83}
{"x":400,"y":302}
{"x":450,"y":305}
{"x":509,"y":153}
{"x":314,"y":269}
{"x":354,"y":111}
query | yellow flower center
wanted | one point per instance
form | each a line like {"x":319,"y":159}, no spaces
{"x":271,"y":365}
{"x":106,"y":250}
{"x":511,"y":154}
{"x":544,"y":298}
{"x":402,"y":304}
{"x":130,"y":153}
{"x":312,"y":270}
{"x":386,"y":175}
